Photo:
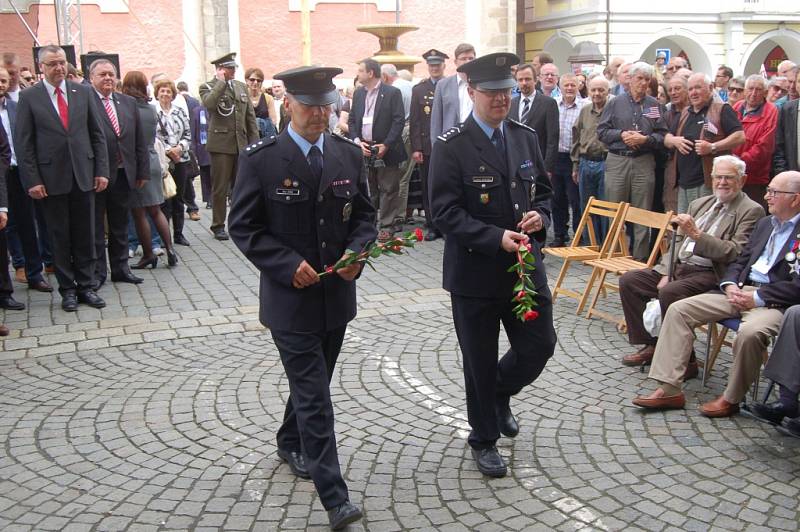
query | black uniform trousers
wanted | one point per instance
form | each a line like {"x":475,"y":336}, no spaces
{"x":309,"y":359}
{"x":565,"y":197}
{"x":70,"y":225}
{"x":6,"y":288}
{"x":114,"y":203}
{"x":490,"y":382}
{"x":174,"y":208}
{"x":21,"y":208}
{"x":426,"y":202}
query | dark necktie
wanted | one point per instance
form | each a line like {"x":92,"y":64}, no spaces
{"x":499,"y":144}
{"x":315,"y":161}
{"x":526,"y":106}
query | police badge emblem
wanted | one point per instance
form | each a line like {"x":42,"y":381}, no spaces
{"x":485,"y":198}
{"x":347,"y":211}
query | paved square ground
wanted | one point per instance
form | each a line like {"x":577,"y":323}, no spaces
{"x":159,"y":412}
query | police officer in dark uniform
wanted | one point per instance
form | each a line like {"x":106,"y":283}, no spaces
{"x":489,"y":192}
{"x":299,"y":204}
{"x":420,"y":127}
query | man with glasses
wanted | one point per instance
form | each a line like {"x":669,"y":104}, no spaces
{"x":759,"y":119}
{"x":63,"y":162}
{"x":549,"y":80}
{"x":789,"y":69}
{"x":724,"y":75}
{"x":756,"y":288}
{"x":676,"y":63}
{"x":778,"y":87}
{"x":26,"y":76}
{"x":488,"y":191}
{"x":711,"y":236}
{"x":787,"y":148}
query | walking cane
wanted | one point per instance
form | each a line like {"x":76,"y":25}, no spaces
{"x":671,"y":265}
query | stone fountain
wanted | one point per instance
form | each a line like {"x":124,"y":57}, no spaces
{"x":388,"y":35}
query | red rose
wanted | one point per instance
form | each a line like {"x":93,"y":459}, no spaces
{"x":329,"y":269}
{"x":530,"y":315}
{"x":418,"y":234}
{"x":529,"y":246}
{"x":520,"y":295}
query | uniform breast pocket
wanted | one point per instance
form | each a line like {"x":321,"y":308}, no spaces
{"x":528,"y":192}
{"x":484,"y":195}
{"x":290,"y":210}
{"x":343,"y":209}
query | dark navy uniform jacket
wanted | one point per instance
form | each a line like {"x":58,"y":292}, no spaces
{"x":475,"y":196}
{"x":281,"y":216}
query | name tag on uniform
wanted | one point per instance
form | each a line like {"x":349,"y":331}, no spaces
{"x":288,"y":191}
{"x":483,"y":179}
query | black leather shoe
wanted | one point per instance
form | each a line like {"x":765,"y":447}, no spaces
{"x":343,"y":515}
{"x":220,"y":234}
{"x":430,"y":236}
{"x":490,"y":463}
{"x":126,"y":277}
{"x":790,"y":427}
{"x":40,"y":286}
{"x":9,"y":303}
{"x":770,"y":412}
{"x":69,"y":301}
{"x":181,"y":240}
{"x":506,"y":421}
{"x":90,"y":297}
{"x":296,"y":462}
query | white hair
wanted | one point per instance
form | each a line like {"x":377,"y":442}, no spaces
{"x":389,"y":70}
{"x":756,"y":77}
{"x":775,"y":80}
{"x":405,"y":74}
{"x":640,"y":67}
{"x":741,"y":167}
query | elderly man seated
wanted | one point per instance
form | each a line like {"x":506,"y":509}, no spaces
{"x":783,"y":367}
{"x":711,"y":235}
{"x":757,"y":288}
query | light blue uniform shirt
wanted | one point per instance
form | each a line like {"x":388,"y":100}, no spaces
{"x":303,"y":144}
{"x":489,"y":130}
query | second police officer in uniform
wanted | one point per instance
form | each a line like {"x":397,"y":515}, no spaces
{"x":420,"y":127}
{"x":300,"y":202}
{"x":488,"y":192}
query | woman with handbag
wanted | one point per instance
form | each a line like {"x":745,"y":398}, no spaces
{"x":148,"y":199}
{"x":172,"y":128}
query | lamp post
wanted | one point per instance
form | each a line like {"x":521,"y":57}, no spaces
{"x":305,"y":32}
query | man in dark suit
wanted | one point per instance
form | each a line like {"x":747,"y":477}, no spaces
{"x":21,"y":211}
{"x":189,"y":194}
{"x":757,"y":288}
{"x":488,"y":192}
{"x":786,"y":156}
{"x":420,"y":128}
{"x":130,"y":168}
{"x":300,"y":203}
{"x":538,"y":111}
{"x":376,"y":122}
{"x":63,"y":160}
{"x":6,"y":288}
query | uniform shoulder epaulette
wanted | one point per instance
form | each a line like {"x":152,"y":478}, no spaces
{"x":520,"y":124}
{"x":262,"y":143}
{"x":452,"y":132}
{"x":340,"y":137}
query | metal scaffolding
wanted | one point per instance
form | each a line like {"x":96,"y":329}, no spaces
{"x":68,"y":20}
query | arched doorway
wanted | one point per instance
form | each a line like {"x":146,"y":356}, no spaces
{"x":764,"y":47}
{"x":683,"y":46}
{"x":560,"y":46}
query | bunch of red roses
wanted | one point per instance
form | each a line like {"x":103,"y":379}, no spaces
{"x":392,"y":246}
{"x":524,"y":292}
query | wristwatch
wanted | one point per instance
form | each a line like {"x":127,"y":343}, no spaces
{"x":713,"y":149}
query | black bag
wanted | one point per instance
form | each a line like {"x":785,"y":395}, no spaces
{"x":193,"y":170}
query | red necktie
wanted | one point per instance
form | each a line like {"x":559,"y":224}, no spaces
{"x":111,"y":115}
{"x":63,"y":111}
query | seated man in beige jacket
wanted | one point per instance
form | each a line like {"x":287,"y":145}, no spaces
{"x":711,"y":235}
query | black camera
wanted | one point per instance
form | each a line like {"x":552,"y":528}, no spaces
{"x":373,"y":161}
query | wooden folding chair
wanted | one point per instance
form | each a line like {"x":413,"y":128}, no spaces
{"x":576,"y":252}
{"x":622,"y":264}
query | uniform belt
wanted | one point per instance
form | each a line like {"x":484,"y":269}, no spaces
{"x":628,"y":153}
{"x":594,"y":159}
{"x":755,"y":283}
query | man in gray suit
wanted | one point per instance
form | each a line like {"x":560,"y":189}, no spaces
{"x":63,"y":161}
{"x":451,"y":103}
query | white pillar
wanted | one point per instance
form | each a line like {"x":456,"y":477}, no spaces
{"x":193,"y":45}
{"x":235,"y":36}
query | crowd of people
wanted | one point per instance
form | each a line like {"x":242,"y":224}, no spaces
{"x":493,"y":155}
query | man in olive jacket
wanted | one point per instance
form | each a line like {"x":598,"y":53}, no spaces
{"x":231,"y":127}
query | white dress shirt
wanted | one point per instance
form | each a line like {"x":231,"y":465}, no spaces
{"x":522,"y":99}
{"x":51,"y":91}
{"x":464,"y":101}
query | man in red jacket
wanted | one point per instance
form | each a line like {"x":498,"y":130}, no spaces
{"x":759,"y":119}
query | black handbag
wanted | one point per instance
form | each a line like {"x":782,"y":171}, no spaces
{"x":193,"y":170}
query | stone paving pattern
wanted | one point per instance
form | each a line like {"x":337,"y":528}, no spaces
{"x":159,"y":412}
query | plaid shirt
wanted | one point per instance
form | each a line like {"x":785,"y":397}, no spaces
{"x":567,"y":116}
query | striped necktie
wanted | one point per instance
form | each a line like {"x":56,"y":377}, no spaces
{"x":111,"y":115}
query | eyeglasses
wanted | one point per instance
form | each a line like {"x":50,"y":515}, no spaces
{"x":53,"y":64}
{"x":494,"y":93}
{"x":27,"y":78}
{"x":735,"y":89}
{"x":771,"y":192}
{"x":549,"y":75}
{"x":724,"y":177}
{"x":671,"y":68}
{"x":255,"y":80}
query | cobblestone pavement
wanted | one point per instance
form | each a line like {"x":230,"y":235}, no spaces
{"x":160,"y":411}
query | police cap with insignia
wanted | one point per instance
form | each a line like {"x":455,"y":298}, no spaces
{"x":491,"y":71}
{"x":434,"y":57}
{"x":226,"y":61}
{"x":311,"y":85}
